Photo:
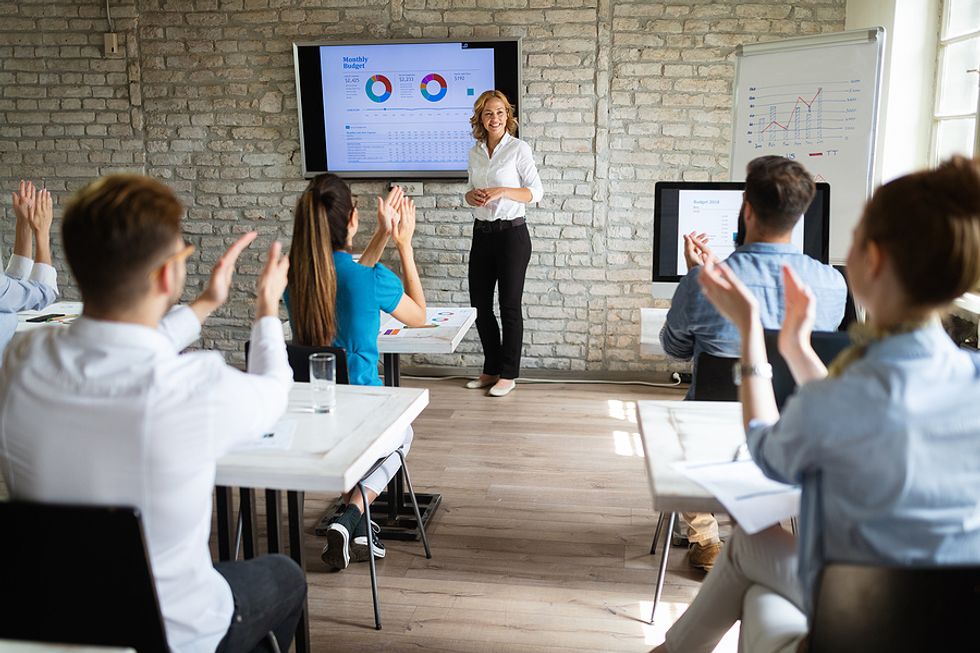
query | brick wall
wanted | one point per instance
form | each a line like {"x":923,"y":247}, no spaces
{"x":618,"y":94}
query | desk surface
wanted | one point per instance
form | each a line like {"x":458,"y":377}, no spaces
{"x":674,"y":431}
{"x":445,"y":329}
{"x":69,"y":309}
{"x":449,"y":325}
{"x":329,"y":452}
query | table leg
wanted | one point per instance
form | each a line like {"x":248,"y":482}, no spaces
{"x":662,"y":575}
{"x":250,"y":536}
{"x":294,"y":507}
{"x":226,"y":526}
{"x":392,"y":370}
{"x":273,"y":520}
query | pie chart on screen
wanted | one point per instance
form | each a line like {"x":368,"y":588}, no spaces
{"x":376,"y":83}
{"x":433,"y":87}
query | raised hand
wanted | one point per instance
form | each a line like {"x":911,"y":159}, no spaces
{"x":42,"y":215}
{"x":388,"y":210}
{"x":801,"y":311}
{"x":405,"y":228}
{"x":219,"y":285}
{"x":23,"y":201}
{"x":729,"y":295}
{"x":696,"y":250}
{"x":272,"y":283}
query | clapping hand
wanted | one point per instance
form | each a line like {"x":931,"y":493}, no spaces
{"x":801,"y":310}
{"x":406,"y":223}
{"x":272,"y":283}
{"x":729,"y":295}
{"x":33,"y":207}
{"x":696,"y":250}
{"x":388,"y":210}
{"x":219,"y":285}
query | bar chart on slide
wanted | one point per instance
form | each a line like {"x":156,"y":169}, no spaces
{"x":812,"y":115}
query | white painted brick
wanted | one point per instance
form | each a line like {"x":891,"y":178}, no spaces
{"x":616,"y":97}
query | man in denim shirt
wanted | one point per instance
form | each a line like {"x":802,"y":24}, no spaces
{"x":777,"y":193}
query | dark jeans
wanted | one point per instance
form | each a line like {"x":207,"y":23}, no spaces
{"x":500,"y":258}
{"x":269,"y":592}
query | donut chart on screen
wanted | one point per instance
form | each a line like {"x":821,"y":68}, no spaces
{"x":438,"y":79}
{"x":369,"y":88}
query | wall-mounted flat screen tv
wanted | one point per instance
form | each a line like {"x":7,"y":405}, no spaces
{"x":396,"y":109}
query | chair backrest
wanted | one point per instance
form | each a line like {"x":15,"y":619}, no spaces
{"x":299,"y":360}
{"x":827,"y":344}
{"x":713,"y":379}
{"x":868,"y":609}
{"x":77,"y":575}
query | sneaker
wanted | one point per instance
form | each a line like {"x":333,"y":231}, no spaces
{"x":336,"y":552}
{"x":359,"y":547}
{"x":703,"y":556}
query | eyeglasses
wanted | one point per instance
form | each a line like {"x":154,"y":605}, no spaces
{"x":182,"y":255}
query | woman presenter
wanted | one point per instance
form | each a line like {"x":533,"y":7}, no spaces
{"x":502,"y":180}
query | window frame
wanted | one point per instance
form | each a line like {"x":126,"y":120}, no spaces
{"x":937,"y":119}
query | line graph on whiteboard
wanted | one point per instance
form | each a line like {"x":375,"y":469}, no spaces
{"x":811,"y":119}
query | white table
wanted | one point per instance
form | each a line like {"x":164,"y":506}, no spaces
{"x":674,"y":431}
{"x":68,"y":310}
{"x":328,"y":453}
{"x":651,"y":322}
{"x":445,"y":329}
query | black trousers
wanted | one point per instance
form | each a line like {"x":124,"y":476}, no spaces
{"x":499,"y":258}
{"x":269,"y":592}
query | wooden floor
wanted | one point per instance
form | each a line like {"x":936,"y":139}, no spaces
{"x":541,"y":543}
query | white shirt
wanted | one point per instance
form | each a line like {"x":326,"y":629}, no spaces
{"x":110,"y":413}
{"x":511,"y":166}
{"x":24,"y":285}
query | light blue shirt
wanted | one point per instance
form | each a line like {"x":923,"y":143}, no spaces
{"x":24,"y":286}
{"x":888,"y":455}
{"x":694,"y":325}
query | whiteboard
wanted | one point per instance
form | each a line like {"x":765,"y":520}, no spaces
{"x":815,"y":100}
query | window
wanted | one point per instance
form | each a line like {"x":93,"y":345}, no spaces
{"x":958,"y":81}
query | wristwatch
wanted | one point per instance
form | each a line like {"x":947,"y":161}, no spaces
{"x":743,"y":371}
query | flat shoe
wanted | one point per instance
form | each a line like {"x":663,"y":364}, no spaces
{"x":496,"y":392}
{"x":476,"y":384}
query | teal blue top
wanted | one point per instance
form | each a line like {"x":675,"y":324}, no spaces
{"x":362,"y":293}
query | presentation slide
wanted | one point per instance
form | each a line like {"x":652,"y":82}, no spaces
{"x":401,"y":106}
{"x":715,"y":213}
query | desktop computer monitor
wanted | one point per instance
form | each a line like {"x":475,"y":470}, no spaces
{"x":713,"y":208}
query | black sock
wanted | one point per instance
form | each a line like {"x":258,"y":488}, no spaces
{"x":352,"y":515}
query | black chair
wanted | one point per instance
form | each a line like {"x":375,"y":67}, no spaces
{"x":826,"y":344}
{"x":713,"y":378}
{"x":299,"y":360}
{"x":871,"y":609}
{"x":94,"y":588}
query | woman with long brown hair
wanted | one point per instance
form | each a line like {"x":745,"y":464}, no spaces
{"x":336,"y":301}
{"x":884,"y":442}
{"x":502,"y":180}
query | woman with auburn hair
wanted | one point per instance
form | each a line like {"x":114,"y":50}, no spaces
{"x":884,"y":443}
{"x":502,"y":179}
{"x":336,"y":301}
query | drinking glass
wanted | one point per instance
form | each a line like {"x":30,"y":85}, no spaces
{"x":323,"y":381}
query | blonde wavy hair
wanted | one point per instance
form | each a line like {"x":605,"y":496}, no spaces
{"x":479,"y":131}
